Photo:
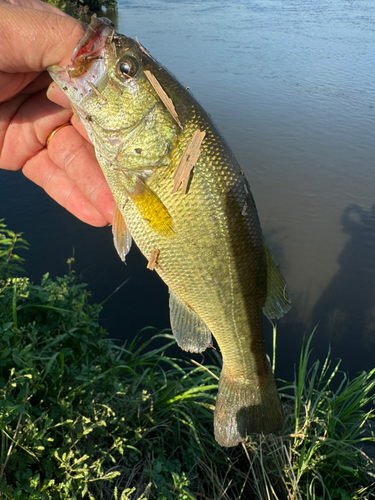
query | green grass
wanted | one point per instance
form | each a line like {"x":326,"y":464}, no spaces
{"x":319,"y":454}
{"x":82,"y":417}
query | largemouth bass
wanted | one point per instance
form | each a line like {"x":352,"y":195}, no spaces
{"x":183,"y":198}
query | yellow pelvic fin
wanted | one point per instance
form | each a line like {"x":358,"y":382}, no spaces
{"x":151,"y":208}
{"x":190,"y":332}
{"x":278,"y":300}
{"x":121,"y":235}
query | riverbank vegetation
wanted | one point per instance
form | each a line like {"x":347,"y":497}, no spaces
{"x":82,"y":417}
{"x":82,"y":9}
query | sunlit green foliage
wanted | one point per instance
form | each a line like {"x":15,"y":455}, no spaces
{"x":10,"y":261}
{"x":81,"y":417}
{"x":82,"y":9}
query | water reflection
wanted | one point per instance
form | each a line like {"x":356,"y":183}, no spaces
{"x":345,"y":312}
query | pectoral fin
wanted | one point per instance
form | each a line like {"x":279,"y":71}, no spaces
{"x":278,"y":301}
{"x":191,"y":333}
{"x":122,"y":238}
{"x":153,"y":211}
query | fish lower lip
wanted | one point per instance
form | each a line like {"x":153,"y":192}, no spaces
{"x":54,"y":69}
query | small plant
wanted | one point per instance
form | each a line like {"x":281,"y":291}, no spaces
{"x":10,"y":244}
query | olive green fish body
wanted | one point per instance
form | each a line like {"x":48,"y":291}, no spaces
{"x":204,"y":237}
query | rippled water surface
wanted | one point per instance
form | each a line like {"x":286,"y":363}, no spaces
{"x":290,"y":84}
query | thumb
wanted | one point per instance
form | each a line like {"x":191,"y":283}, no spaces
{"x":33,"y":39}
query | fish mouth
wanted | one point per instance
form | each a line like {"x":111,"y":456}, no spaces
{"x":88,"y":62}
{"x":91,"y":45}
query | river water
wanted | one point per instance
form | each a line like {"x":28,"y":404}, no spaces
{"x":290,"y":84}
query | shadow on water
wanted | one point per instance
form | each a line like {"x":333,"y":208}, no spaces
{"x":345,"y":312}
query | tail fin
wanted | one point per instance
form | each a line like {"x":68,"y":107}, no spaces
{"x":243,"y":407}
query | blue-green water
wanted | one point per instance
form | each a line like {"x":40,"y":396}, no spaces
{"x":290,"y":84}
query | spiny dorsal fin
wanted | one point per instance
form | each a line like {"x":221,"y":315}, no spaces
{"x":122,"y":238}
{"x":278,"y":301}
{"x":191,"y":333}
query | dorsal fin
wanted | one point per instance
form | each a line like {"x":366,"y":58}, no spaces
{"x":190,"y":332}
{"x":278,"y":301}
{"x":122,"y":238}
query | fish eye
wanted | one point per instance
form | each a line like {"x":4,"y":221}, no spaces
{"x":126,"y":68}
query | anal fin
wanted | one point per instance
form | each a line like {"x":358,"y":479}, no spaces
{"x":122,"y":238}
{"x":278,"y":301}
{"x":190,"y":332}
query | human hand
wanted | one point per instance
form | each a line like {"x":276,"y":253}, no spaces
{"x":34,"y":36}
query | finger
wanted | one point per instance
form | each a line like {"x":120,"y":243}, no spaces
{"x":41,"y":82}
{"x":25,"y":125}
{"x":56,"y":95}
{"x":43,"y":38}
{"x":73,"y":154}
{"x":22,"y":83}
{"x":37,"y":5}
{"x":12,"y":84}
{"x":57,"y":184}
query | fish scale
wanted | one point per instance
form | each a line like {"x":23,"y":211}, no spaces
{"x":207,"y":245}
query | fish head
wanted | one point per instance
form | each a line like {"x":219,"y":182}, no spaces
{"x":108,"y":87}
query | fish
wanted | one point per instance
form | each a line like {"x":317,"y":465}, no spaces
{"x":182,"y":197}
